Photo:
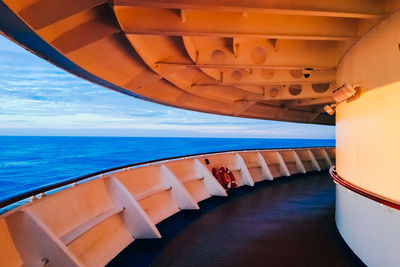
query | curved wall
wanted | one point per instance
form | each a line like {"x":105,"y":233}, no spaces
{"x":369,"y":228}
{"x":367,"y":140}
{"x":367,"y":127}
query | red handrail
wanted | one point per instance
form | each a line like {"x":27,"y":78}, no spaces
{"x":361,"y":191}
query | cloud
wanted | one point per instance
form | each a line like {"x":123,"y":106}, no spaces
{"x":38,"y":98}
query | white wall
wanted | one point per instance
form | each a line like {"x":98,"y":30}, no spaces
{"x":370,"y":229}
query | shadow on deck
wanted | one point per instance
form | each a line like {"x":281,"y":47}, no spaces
{"x":287,"y":222}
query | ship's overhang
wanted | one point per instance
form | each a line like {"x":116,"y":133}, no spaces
{"x":259,"y":59}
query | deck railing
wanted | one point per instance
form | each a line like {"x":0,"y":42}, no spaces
{"x":73,"y":222}
{"x":45,"y":188}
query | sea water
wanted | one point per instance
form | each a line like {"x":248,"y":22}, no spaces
{"x":27,"y":162}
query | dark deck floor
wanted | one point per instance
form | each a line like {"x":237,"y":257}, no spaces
{"x":287,"y":222}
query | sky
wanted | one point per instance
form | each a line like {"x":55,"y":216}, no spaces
{"x":37,"y":98}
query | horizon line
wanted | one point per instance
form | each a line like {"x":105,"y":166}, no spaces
{"x":109,"y":136}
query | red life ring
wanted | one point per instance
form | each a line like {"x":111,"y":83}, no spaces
{"x":216,"y":175}
{"x":225,"y":177}
{"x":225,"y":180}
{"x":231,"y":177}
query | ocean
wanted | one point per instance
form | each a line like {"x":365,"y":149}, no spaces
{"x":27,"y":162}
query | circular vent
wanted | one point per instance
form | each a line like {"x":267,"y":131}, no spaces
{"x":320,"y":87}
{"x":258,"y":55}
{"x":295,"y":89}
{"x":218,"y":56}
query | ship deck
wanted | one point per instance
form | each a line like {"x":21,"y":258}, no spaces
{"x":285,"y":222}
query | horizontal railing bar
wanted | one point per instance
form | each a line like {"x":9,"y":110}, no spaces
{"x":253,"y":166}
{"x":361,"y":191}
{"x":152,"y":192}
{"x":192,"y":179}
{"x":21,"y":196}
{"x":85,"y":227}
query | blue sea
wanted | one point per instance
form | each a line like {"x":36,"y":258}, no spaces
{"x":27,"y":162}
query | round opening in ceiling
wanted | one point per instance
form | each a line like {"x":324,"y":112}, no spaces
{"x":295,"y":89}
{"x":236,"y":75}
{"x":296,"y":74}
{"x":218,"y":56}
{"x":267,"y":74}
{"x":273,"y":92}
{"x":320,"y":87}
{"x":258,"y":55}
